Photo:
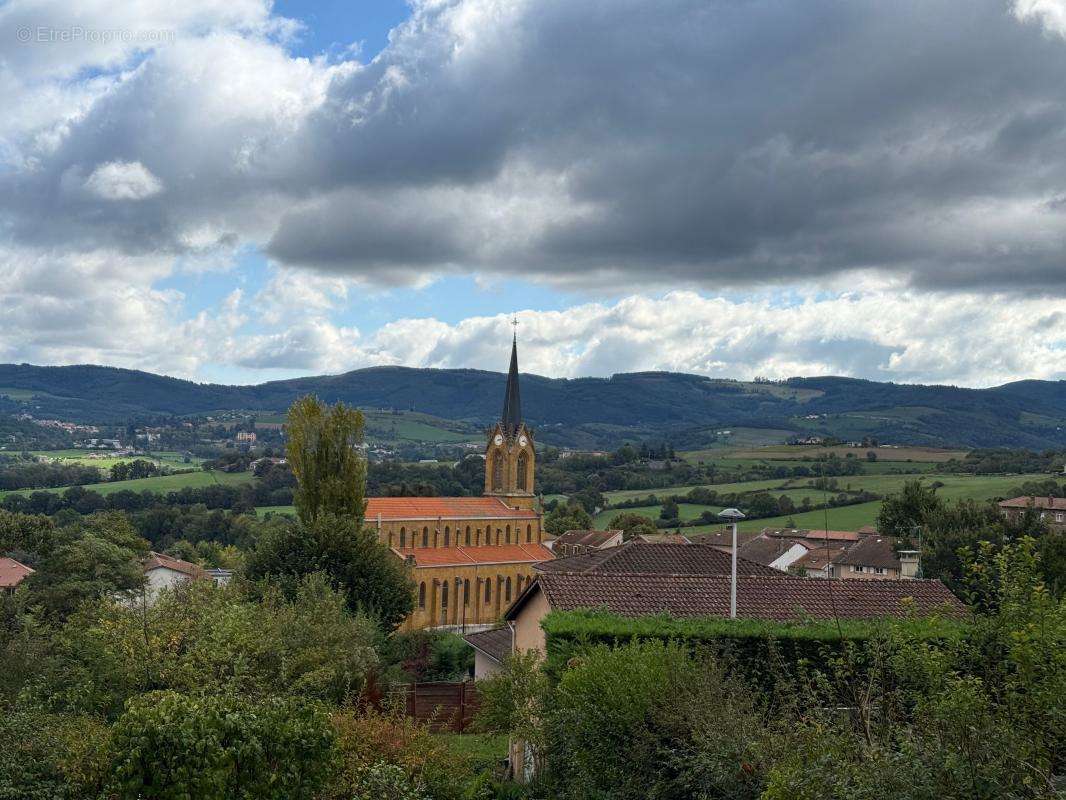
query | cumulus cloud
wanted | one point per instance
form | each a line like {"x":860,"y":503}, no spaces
{"x":1049,"y":13}
{"x":123,"y":180}
{"x":880,"y":333}
{"x":618,"y":149}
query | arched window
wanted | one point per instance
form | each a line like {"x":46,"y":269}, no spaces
{"x":498,"y":532}
{"x":403,"y":537}
{"x":508,"y":539}
{"x":488,"y":591}
{"x":497,"y":472}
{"x":518,"y":584}
{"x":422,"y":595}
{"x":523,"y":471}
{"x":444,"y":595}
{"x":447,"y":536}
{"x":425,"y":537}
{"x":467,"y":535}
{"x":507,"y":591}
{"x":529,"y":534}
{"x":390,"y":539}
{"x":466,"y":592}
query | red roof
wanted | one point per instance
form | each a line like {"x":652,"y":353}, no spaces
{"x":485,"y":554}
{"x":780,"y":598}
{"x":403,"y":508}
{"x":1043,"y":503}
{"x":160,"y":561}
{"x":12,"y":573}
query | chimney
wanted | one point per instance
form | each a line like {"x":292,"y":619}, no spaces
{"x":910,"y":562}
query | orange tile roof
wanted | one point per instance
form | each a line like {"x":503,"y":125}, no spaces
{"x":159,"y":560}
{"x":401,"y":508}
{"x":12,"y":573}
{"x":469,"y":556}
{"x":840,"y":536}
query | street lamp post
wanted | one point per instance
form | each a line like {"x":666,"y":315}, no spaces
{"x":733,"y":515}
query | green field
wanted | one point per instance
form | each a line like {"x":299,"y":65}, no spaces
{"x":81,"y":458}
{"x":283,"y":511}
{"x":687,"y":511}
{"x":161,"y":484}
{"x":955,"y":487}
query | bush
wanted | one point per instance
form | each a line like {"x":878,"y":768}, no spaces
{"x":170,"y":746}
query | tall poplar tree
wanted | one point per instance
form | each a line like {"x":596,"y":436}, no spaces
{"x":323,"y":452}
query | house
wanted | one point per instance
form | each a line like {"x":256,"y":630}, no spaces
{"x":779,"y":552}
{"x":777,"y":597}
{"x":874,"y":557}
{"x":576,"y":543}
{"x":12,"y":573}
{"x":164,"y":572}
{"x":1051,"y":510}
{"x":220,"y":576}
{"x":491,"y":648}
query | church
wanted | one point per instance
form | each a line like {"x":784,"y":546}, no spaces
{"x":471,"y":556}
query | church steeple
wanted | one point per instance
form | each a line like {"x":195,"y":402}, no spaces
{"x":512,"y":401}
{"x":510,"y":453}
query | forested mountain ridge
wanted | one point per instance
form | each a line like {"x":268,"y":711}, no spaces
{"x":582,"y":412}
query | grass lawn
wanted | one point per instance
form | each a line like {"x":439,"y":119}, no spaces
{"x":161,"y":484}
{"x":482,"y":748}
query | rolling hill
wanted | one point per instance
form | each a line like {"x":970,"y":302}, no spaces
{"x":582,"y":412}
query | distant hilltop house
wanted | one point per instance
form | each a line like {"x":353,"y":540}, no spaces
{"x":575,"y":543}
{"x":166,"y":572}
{"x":1051,"y":509}
{"x":12,"y":573}
{"x":246,"y":436}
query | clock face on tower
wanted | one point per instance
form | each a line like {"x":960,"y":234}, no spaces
{"x":498,"y":439}
{"x":522,"y":441}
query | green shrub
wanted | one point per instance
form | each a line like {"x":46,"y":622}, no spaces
{"x":172,"y":747}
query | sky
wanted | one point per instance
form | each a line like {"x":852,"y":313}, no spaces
{"x":242,"y":191}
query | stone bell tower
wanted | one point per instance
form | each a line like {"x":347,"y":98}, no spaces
{"x":509,"y":454}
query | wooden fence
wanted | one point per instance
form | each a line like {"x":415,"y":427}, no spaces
{"x":443,"y":706}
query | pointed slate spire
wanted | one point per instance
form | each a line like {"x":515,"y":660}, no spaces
{"x":512,"y":402}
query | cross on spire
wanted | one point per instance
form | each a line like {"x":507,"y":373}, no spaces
{"x":514,"y":324}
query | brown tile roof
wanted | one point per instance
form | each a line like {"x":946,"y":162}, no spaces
{"x":663,"y":559}
{"x":781,"y":598}
{"x":767,"y":549}
{"x":722,"y":538}
{"x":872,"y":551}
{"x":484,"y":554}
{"x":431,"y":508}
{"x":1043,"y":503}
{"x":159,"y":560}
{"x":817,"y":558}
{"x":586,"y":538}
{"x":12,"y":573}
{"x":495,"y":643}
{"x":837,"y":536}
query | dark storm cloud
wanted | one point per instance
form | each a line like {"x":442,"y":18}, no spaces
{"x":708,"y":142}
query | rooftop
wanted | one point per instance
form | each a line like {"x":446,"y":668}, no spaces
{"x":872,"y":551}
{"x":587,"y":538}
{"x":12,"y":573}
{"x":495,"y":643}
{"x":781,"y":598}
{"x":663,"y":559}
{"x":161,"y":561}
{"x":1043,"y":503}
{"x":485,"y":554}
{"x":432,"y":508}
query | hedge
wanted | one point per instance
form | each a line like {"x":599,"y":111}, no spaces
{"x":763,"y":651}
